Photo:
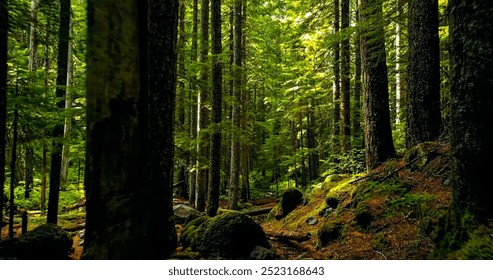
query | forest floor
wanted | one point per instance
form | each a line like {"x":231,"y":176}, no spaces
{"x":403,"y":204}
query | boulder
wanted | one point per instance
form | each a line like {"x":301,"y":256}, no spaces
{"x":329,"y":232}
{"x":183,"y":214}
{"x":46,"y":242}
{"x":262,"y":253}
{"x":231,"y":235}
{"x":190,"y":231}
{"x":291,"y":198}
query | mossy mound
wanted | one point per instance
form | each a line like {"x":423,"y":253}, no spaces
{"x":231,"y":235}
{"x":291,"y":198}
{"x":46,"y":242}
{"x":329,"y":232}
{"x":479,"y":246}
{"x":190,"y":231}
{"x":423,"y":154}
{"x":363,"y":215}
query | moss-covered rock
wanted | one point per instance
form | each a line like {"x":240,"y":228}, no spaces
{"x":190,"y":231}
{"x":182,"y":214}
{"x":479,"y":246}
{"x":46,"y":242}
{"x":328,"y":233}
{"x":421,"y":154}
{"x":291,"y":198}
{"x":231,"y":235}
{"x":363,"y":215}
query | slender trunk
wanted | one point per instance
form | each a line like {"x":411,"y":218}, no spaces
{"x":345,"y":79}
{"x":357,"y":131}
{"x":68,"y":120}
{"x":312,"y":142}
{"x":399,"y":83}
{"x":13,"y":159}
{"x":180,"y":97}
{"x":44,"y":167}
{"x":203,"y":103}
{"x":234,"y":187}
{"x":337,"y":84}
{"x":3,"y":99}
{"x":217,"y":82}
{"x":192,"y":173}
{"x":57,"y":133}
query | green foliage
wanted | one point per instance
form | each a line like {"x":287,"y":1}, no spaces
{"x":479,"y":246}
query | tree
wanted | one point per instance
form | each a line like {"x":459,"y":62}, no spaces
{"x":423,"y":72}
{"x":399,"y":81}
{"x":379,"y":145}
{"x":337,"y":82}
{"x":57,"y":133}
{"x":217,"y":75}
{"x":357,"y":131}
{"x":235,"y":145}
{"x":345,"y":79}
{"x":203,"y":111}
{"x":4,"y":22}
{"x":131,"y":95}
{"x":471,"y":99}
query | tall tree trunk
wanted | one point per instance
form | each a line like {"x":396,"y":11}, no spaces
{"x":399,"y":81}
{"x":13,"y":160}
{"x":357,"y":130}
{"x":345,"y":79}
{"x":192,"y":173}
{"x":44,"y":167}
{"x":217,"y":82}
{"x":234,"y":187}
{"x":312,"y":142}
{"x":337,"y":84}
{"x":57,"y":133}
{"x":180,"y":101}
{"x":379,"y":145}
{"x":129,"y":179}
{"x":162,"y":40}
{"x":245,"y":107}
{"x":472,"y":119}
{"x":423,"y":73}
{"x":4,"y":21}
{"x":67,"y":129}
{"x":203,"y":111}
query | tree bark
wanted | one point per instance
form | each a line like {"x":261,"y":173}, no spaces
{"x":472,"y":119}
{"x":336,"y":145}
{"x":131,"y":95}
{"x":13,"y":160}
{"x":399,"y":81}
{"x":357,"y":130}
{"x":192,"y":173}
{"x":4,"y":21}
{"x":379,"y":145}
{"x":234,"y":188}
{"x":217,"y":82}
{"x":68,"y":119}
{"x":57,"y":133}
{"x":423,"y":73}
{"x":345,"y":79}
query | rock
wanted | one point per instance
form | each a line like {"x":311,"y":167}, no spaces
{"x":183,"y":214}
{"x":334,"y":178}
{"x":328,"y":233}
{"x":46,"y":242}
{"x":190,"y":231}
{"x":8,"y":248}
{"x":332,"y":201}
{"x":231,"y":235}
{"x":446,"y":182}
{"x":311,"y":221}
{"x":262,"y":253}
{"x":363,"y":215}
{"x":327,"y":211}
{"x":291,"y":198}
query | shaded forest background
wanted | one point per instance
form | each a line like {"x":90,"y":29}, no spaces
{"x":122,"y":106}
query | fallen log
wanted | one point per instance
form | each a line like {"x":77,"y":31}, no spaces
{"x":289,"y":235}
{"x":257,"y":212}
{"x":75,"y":206}
{"x":75,"y":228}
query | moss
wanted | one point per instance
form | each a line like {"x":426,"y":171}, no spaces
{"x":479,"y":246}
{"x":332,"y":200}
{"x":231,"y":235}
{"x":329,"y":232}
{"x":421,"y":154}
{"x":379,"y":242}
{"x":363,"y":216}
{"x":189,"y":233}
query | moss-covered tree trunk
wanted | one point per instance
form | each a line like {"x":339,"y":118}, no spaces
{"x":345,"y":78}
{"x":217,"y":82}
{"x":131,"y":95}
{"x":4,"y":22}
{"x":57,"y":133}
{"x":378,"y":134}
{"x":472,"y":115}
{"x":423,"y":73}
